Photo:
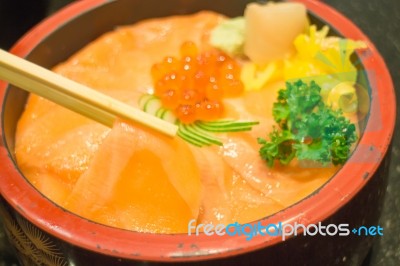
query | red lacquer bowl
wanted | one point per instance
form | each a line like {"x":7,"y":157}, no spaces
{"x":44,"y":233}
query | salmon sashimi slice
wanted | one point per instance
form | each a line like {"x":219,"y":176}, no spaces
{"x":48,"y":154}
{"x":215,"y":203}
{"x":60,"y":161}
{"x":123,"y":58}
{"x":249,"y":204}
{"x":284,"y":185}
{"x":227,"y":197}
{"x":280,"y":186}
{"x":138,"y":181}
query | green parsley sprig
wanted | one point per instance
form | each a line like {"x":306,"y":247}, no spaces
{"x":307,"y":128}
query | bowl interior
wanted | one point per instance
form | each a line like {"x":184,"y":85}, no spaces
{"x":84,"y":28}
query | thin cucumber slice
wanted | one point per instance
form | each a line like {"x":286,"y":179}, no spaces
{"x":144,"y":99}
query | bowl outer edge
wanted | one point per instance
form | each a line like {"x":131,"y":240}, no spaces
{"x":165,"y":247}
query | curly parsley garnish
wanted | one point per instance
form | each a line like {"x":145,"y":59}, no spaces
{"x":308,"y":129}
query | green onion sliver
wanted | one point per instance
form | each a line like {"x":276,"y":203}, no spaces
{"x":200,"y":137}
{"x":190,"y":138}
{"x":203,"y":134}
{"x":226,"y":127}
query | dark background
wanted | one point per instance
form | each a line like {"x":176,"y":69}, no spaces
{"x":380,"y":21}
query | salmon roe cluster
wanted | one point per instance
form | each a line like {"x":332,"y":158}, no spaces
{"x":194,"y":85}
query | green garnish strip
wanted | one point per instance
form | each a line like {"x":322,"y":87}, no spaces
{"x":225,"y":126}
{"x":199,"y":133}
{"x":196,"y":136}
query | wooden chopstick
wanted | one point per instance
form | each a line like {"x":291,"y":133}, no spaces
{"x":74,"y":96}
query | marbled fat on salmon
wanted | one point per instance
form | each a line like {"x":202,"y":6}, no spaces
{"x":136,"y":179}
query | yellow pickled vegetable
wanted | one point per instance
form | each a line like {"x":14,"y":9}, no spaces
{"x":255,"y":77}
{"x":317,"y":54}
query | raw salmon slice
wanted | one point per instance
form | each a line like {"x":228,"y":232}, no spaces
{"x":138,"y":181}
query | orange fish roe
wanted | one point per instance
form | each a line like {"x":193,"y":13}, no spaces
{"x":194,"y":85}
